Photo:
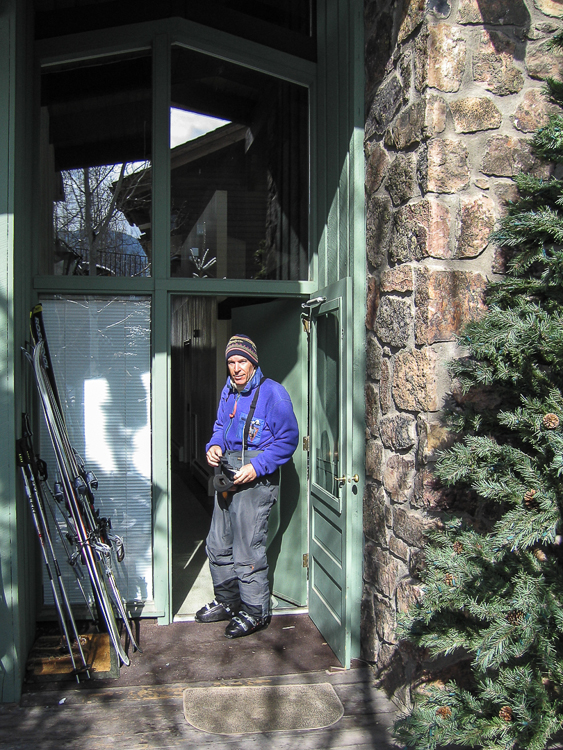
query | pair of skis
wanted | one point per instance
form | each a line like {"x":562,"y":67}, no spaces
{"x":33,"y":488}
{"x":89,"y":533}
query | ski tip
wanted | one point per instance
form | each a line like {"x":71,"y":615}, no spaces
{"x":36,"y":309}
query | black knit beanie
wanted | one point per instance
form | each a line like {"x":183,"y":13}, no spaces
{"x":240,"y":345}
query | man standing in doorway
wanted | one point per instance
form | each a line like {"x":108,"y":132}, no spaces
{"x":254,"y":434}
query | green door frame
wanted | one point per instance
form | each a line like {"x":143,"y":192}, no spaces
{"x":338,"y":203}
{"x":160,"y":37}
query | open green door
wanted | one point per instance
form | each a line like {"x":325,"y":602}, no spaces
{"x":333,"y":506}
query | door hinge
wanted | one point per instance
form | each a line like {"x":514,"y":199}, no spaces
{"x":306,"y":560}
{"x":306,"y":443}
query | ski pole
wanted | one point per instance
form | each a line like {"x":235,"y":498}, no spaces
{"x":71,"y":559}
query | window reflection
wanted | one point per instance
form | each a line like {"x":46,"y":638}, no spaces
{"x":239,"y":192}
{"x":239,"y":164}
{"x":328,"y":401}
{"x":95,"y":157}
{"x":92,"y":234}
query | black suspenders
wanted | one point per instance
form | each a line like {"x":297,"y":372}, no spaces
{"x":249,"y":418}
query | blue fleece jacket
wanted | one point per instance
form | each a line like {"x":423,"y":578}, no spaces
{"x":273,"y":428}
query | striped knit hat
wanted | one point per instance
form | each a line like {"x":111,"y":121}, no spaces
{"x":242,"y":346}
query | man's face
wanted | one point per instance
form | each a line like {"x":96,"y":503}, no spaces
{"x":240,"y":370}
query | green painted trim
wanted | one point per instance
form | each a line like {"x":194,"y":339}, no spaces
{"x":353,"y":499}
{"x":94,"y":44}
{"x":17,"y":540}
{"x":313,"y":197}
{"x":124,"y":285}
{"x":92,"y":285}
{"x":162,"y":526}
{"x":10,"y":628}
{"x":319,"y":174}
{"x":161,"y":158}
{"x":240,"y":287}
{"x":357,"y":242}
{"x":118,"y":40}
{"x":160,"y":401}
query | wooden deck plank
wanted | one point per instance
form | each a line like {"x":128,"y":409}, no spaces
{"x":151,"y":717}
{"x":83,"y":726}
{"x":358,"y":679}
{"x":77,"y":738}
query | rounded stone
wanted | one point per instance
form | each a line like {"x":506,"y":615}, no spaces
{"x":475,"y":113}
{"x":533,"y":111}
{"x":393,"y":323}
{"x":493,"y":64}
{"x":552,"y":8}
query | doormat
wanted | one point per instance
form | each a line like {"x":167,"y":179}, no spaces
{"x":50,"y":660}
{"x":262,"y":708}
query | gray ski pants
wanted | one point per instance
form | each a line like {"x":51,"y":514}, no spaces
{"x":236,"y":545}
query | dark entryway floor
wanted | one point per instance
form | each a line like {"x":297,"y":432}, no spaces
{"x":143,"y":707}
{"x":191,"y":652}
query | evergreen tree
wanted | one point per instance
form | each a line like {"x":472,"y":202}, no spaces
{"x":493,"y":578}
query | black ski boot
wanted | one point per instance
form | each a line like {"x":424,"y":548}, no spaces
{"x":246,"y":624}
{"x":215,"y":612}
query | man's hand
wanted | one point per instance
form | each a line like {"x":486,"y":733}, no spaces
{"x":213,"y":455}
{"x":246,"y":473}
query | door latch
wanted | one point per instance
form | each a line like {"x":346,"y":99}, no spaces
{"x":342,"y":480}
{"x":313,"y":302}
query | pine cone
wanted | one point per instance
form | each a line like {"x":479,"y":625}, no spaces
{"x":449,"y":579}
{"x":550,"y":421}
{"x":505,"y":713}
{"x":444,"y":711}
{"x":458,"y":548}
{"x":540,"y":555}
{"x":529,"y":500}
{"x":515,"y":616}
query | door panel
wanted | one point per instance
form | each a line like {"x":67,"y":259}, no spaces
{"x":331,"y":495}
{"x":276,"y":329}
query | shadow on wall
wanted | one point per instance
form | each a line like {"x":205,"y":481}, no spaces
{"x":495,"y":15}
{"x":503,"y":13}
{"x":383,"y":25}
{"x":385,"y":28}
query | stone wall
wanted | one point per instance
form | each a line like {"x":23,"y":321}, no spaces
{"x":453,"y":91}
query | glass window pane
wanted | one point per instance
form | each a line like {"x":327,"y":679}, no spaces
{"x":328,"y":402}
{"x":239,"y":166}
{"x":96,"y":132}
{"x":100,"y":349}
